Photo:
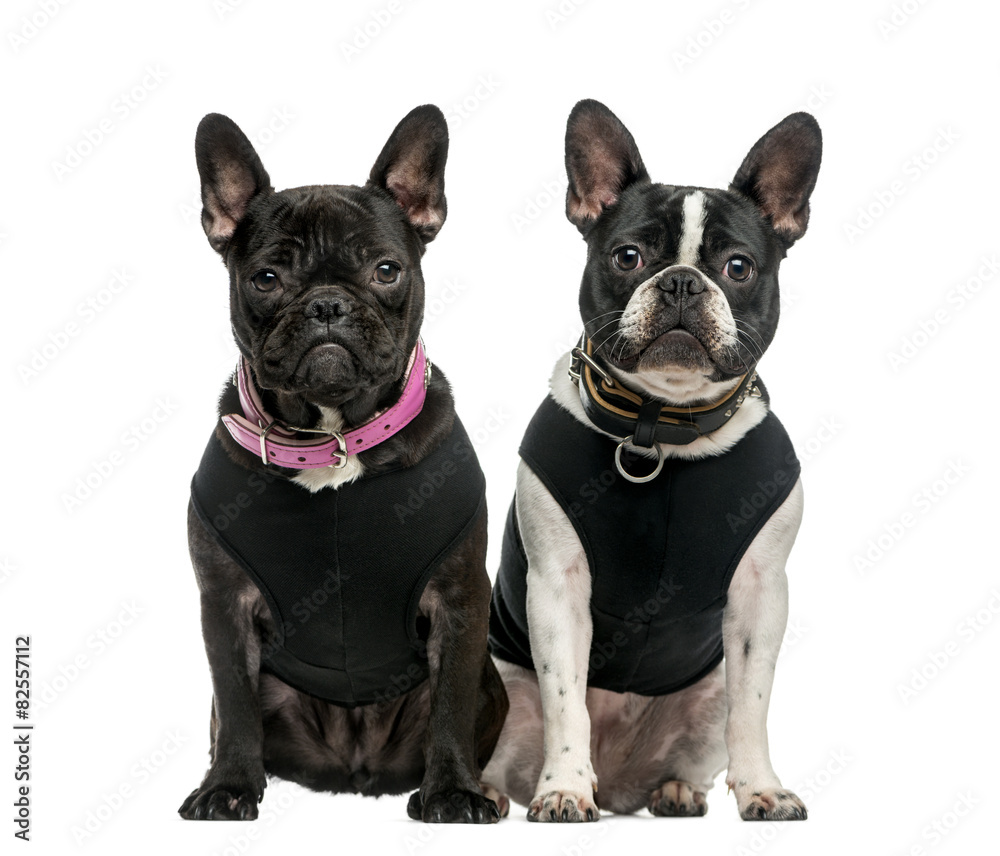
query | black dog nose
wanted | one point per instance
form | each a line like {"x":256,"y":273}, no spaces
{"x":329,"y":308}
{"x":681,"y":281}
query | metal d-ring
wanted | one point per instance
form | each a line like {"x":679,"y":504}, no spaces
{"x":637,"y":479}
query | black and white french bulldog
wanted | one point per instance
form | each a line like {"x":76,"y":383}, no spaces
{"x":338,"y":523}
{"x":657,"y":497}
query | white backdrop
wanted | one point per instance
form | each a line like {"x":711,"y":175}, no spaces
{"x":115,"y":345}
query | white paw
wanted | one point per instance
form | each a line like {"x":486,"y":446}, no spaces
{"x":770,"y":804}
{"x":563,"y":807}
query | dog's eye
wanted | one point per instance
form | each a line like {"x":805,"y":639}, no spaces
{"x":386,"y":273}
{"x":265,"y":280}
{"x":738,"y":268}
{"x":627,"y":258}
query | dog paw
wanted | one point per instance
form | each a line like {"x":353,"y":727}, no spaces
{"x":678,"y":799}
{"x":502,"y":803}
{"x":220,"y":803}
{"x":563,"y":807}
{"x":772,"y":804}
{"x":453,"y":806}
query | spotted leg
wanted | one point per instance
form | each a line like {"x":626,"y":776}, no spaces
{"x":753,"y":627}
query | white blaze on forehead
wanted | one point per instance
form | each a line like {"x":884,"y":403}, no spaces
{"x":692,"y":228}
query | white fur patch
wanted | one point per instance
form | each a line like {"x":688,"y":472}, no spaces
{"x":692,"y":229}
{"x":321,"y":477}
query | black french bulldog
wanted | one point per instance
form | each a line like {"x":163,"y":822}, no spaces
{"x":344,"y":599}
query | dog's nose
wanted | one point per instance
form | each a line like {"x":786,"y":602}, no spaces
{"x":328,"y":308}
{"x":681,"y":281}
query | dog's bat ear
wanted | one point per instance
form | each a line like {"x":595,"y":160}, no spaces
{"x":779,"y":174}
{"x":411,"y":169}
{"x":602,"y":160}
{"x":231,"y":175}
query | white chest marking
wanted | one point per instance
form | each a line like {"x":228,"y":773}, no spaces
{"x":322,"y":477}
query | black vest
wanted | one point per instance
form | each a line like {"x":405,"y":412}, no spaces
{"x":661,"y":554}
{"x":342,"y":570}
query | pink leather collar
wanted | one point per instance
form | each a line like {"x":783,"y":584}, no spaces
{"x":277,"y":443}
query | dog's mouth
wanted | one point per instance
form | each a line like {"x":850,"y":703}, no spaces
{"x":675,"y":346}
{"x":326,"y":363}
{"x":678,"y":347}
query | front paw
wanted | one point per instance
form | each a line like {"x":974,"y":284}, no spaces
{"x":563,"y":807}
{"x":678,"y":799}
{"x":225,"y":797}
{"x":453,"y":806}
{"x":772,"y":804}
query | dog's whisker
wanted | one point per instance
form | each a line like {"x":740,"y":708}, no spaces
{"x":598,"y":330}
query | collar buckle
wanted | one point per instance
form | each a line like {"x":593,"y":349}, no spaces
{"x":264,"y":431}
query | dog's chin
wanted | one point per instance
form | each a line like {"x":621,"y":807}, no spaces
{"x":677,"y":349}
{"x":326,"y":374}
{"x":327,"y":366}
